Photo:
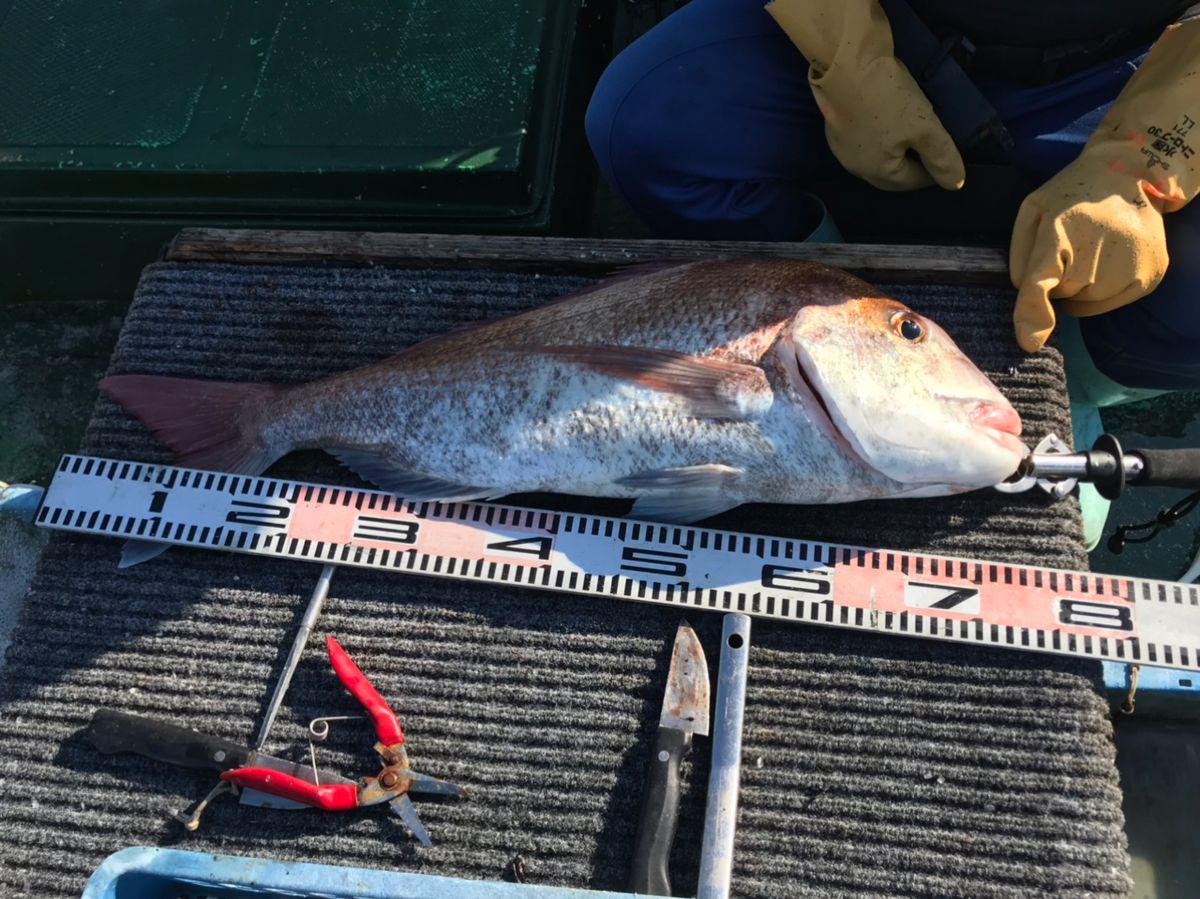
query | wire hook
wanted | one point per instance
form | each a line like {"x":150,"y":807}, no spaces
{"x":318,"y":728}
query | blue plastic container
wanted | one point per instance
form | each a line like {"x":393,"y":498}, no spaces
{"x":1161,"y":692}
{"x":144,"y":872}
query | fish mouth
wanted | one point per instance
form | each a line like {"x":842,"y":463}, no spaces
{"x":816,"y":395}
{"x":803,"y":382}
{"x":998,"y":421}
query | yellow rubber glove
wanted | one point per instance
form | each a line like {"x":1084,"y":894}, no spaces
{"x":878,"y":123}
{"x":1092,"y":236}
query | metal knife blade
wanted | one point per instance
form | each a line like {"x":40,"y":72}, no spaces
{"x":304,"y":772}
{"x":684,"y":713}
{"x":685,"y":703}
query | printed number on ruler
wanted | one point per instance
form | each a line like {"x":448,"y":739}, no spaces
{"x":1063,"y":612}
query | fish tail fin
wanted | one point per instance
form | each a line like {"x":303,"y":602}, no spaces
{"x":213,"y":425}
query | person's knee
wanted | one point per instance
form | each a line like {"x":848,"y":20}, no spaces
{"x":626,"y":139}
{"x":707,"y":138}
{"x":598,"y":125}
{"x":671,"y":177}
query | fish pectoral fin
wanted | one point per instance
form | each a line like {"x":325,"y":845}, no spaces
{"x":712,"y":476}
{"x":683,"y":507}
{"x":680,"y":495}
{"x":135,"y":552}
{"x":411,"y":485}
{"x":714,"y":388}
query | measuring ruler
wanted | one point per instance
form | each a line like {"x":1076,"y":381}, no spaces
{"x":1071,"y":613}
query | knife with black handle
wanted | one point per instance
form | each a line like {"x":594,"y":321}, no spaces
{"x":685,"y":713}
{"x":660,"y":814}
{"x":111,"y":731}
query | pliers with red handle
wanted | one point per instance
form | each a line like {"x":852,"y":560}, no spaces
{"x":392,"y":784}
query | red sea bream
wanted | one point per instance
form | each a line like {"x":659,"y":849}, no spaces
{"x":690,"y":389}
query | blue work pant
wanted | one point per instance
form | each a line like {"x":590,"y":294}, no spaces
{"x":707,"y":128}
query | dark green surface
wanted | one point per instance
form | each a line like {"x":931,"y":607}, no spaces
{"x":78,"y":77}
{"x":47,"y":259}
{"x":277,"y":85}
{"x":127,"y":120}
{"x":1159,"y":761}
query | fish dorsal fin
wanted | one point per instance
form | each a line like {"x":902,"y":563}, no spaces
{"x":411,"y":485}
{"x":624,"y":274}
{"x":630,"y":273}
{"x":714,"y":388}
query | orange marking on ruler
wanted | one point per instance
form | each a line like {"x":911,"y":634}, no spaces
{"x":460,"y":539}
{"x":312,"y":520}
{"x":883,"y":591}
{"x":994,"y":602}
{"x":399,"y":530}
{"x":475,"y":541}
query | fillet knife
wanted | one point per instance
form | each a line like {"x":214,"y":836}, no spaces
{"x":684,"y":714}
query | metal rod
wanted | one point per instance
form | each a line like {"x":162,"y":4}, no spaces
{"x":1060,"y":466}
{"x":289,"y":667}
{"x":720,"y":819}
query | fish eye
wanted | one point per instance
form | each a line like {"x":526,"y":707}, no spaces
{"x":908,"y":326}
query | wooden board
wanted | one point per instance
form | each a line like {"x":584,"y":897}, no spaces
{"x":874,"y":262}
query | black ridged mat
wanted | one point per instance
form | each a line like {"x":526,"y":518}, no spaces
{"x":873,"y":767}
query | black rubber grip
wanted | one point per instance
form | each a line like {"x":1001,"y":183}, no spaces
{"x":112,"y":731}
{"x":660,"y":815}
{"x":1169,"y":468}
